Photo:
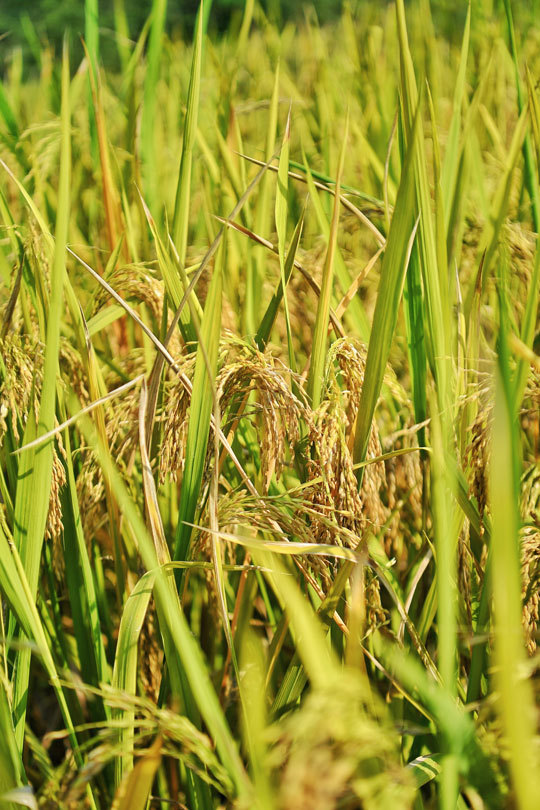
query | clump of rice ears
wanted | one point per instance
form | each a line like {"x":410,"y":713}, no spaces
{"x":269,"y":426}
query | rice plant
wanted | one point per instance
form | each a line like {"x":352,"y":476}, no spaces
{"x":269,"y":412}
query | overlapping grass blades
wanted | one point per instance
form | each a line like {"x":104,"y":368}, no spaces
{"x":396,"y":258}
{"x":200,"y":412}
{"x":532,"y":183}
{"x":434,"y":276}
{"x":184,"y":648}
{"x":308,"y":497}
{"x":17,"y":589}
{"x":182,"y":202}
{"x":124,"y":676}
{"x":256,"y":276}
{"x":281,"y":211}
{"x":81,"y":587}
{"x":35,"y":469}
{"x":320,"y":335}
{"x":150,"y":107}
{"x":516,"y":701}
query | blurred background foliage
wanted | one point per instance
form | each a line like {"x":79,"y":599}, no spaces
{"x":27,"y":24}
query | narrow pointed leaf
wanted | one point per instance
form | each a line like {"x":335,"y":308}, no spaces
{"x":200,"y":412}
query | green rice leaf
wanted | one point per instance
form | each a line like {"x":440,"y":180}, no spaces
{"x":320,"y":339}
{"x":150,"y":108}
{"x":81,"y":588}
{"x":36,"y":471}
{"x":281,"y":228}
{"x":450,"y":166}
{"x":434,"y":276}
{"x":531,"y":175}
{"x":263,"y":333}
{"x":185,"y":649}
{"x":183,"y":189}
{"x":515,"y":702}
{"x":257,"y":274}
{"x":200,"y":412}
{"x":124,"y":676}
{"x":394,"y":267}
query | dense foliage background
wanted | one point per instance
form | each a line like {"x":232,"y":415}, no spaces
{"x":29,"y":23}
{"x":23,"y":20}
{"x":270,"y":406}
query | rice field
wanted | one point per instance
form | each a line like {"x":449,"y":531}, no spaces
{"x":270,"y":412}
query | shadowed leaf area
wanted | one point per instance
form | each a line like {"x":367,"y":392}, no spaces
{"x":269,"y":406}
